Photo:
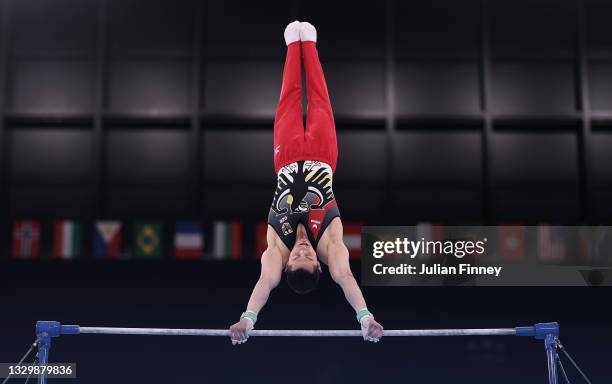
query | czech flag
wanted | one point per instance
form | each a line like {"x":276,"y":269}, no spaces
{"x":107,"y":239}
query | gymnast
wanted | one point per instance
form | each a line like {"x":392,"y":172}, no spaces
{"x":304,"y":224}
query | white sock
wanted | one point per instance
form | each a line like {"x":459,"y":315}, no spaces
{"x":292,"y":32}
{"x":308,"y":32}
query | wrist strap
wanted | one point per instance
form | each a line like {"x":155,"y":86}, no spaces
{"x":249,"y":315}
{"x":363,"y":313}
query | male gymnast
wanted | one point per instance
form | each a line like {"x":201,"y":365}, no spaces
{"x":304,"y":224}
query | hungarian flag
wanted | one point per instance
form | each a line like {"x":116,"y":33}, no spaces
{"x":352,"y":239}
{"x":511,"y":242}
{"x":261,"y":240}
{"x":148,"y":239}
{"x":66,"y":239}
{"x":188,"y":241}
{"x":227,"y":240}
{"x":107,"y":239}
{"x":26,"y":239}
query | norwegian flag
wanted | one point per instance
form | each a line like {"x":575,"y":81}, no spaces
{"x":26,"y":239}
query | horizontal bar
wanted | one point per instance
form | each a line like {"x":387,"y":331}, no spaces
{"x":297,"y":333}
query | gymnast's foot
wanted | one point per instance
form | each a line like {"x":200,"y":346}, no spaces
{"x":292,"y":32}
{"x":308,"y":32}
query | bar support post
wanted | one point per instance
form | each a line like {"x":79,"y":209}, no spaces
{"x":550,"y":343}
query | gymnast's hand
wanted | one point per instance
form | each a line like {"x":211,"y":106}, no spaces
{"x":239,"y":332}
{"x":371,"y":329}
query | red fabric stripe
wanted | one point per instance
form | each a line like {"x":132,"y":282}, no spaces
{"x":57,"y":239}
{"x":16,"y":243}
{"x":36,"y":241}
{"x":236,"y":251}
{"x":261,"y":242}
{"x":352,"y":228}
{"x":114,"y":246}
{"x":188,"y":253}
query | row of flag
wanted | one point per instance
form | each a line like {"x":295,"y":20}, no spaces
{"x":516,"y":243}
{"x":108,"y":240}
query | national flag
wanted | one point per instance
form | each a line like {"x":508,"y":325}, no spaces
{"x":227,"y":240}
{"x":595,"y":244}
{"x":261,"y":238}
{"x":66,"y":239}
{"x":551,"y":244}
{"x":26,"y":239}
{"x":108,"y":237}
{"x":188,"y":241}
{"x":147,"y":239}
{"x":428,"y":232}
{"x":511,"y":242}
{"x":352,"y":239}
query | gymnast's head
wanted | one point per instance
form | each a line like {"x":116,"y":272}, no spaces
{"x":303,"y":268}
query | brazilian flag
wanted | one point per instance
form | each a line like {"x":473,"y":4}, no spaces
{"x":147,"y":239}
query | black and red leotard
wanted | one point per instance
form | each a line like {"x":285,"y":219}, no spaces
{"x":304,"y":158}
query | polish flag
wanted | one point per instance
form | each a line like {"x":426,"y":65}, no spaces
{"x":352,"y":239}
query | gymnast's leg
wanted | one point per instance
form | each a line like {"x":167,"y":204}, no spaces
{"x":288,"y":122}
{"x":320,"y":127}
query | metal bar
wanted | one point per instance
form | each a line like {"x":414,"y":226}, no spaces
{"x":46,"y":330}
{"x":298,"y":333}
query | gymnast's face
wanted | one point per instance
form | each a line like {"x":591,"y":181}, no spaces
{"x":303,"y":256}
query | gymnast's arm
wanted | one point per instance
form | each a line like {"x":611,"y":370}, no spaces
{"x":336,"y":255}
{"x":270,"y":275}
{"x":271,"y":271}
{"x":332,"y":247}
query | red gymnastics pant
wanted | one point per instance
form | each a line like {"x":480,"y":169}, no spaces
{"x":291,"y":141}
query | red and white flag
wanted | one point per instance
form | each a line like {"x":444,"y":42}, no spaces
{"x":511,"y":242}
{"x":352,"y":239}
{"x":188,"y":241}
{"x":26,"y":239}
{"x":551,"y":244}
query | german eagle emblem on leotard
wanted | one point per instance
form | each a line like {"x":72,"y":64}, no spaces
{"x":302,"y":186}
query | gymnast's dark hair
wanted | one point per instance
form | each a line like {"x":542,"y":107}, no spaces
{"x":302,"y":280}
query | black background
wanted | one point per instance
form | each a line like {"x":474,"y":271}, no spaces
{"x":451,"y":112}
